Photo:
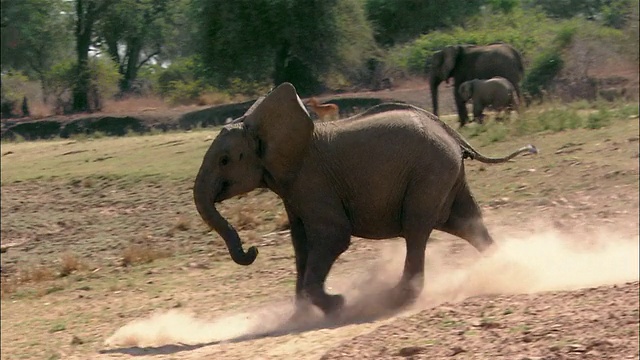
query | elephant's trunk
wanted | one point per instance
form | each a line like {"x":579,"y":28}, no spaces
{"x":204,"y":197}
{"x":434,"y":82}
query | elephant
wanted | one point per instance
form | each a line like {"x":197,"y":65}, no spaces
{"x":394,"y":170}
{"x":468,"y":62}
{"x":497,"y":93}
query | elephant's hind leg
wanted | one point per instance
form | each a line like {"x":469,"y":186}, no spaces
{"x":412,"y":281}
{"x":465,"y":221}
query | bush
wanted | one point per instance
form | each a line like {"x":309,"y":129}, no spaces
{"x":61,"y":79}
{"x":14,"y":89}
{"x":544,"y":69}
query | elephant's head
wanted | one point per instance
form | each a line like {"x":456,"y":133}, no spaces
{"x":265,"y":145}
{"x":442,"y":65}
{"x":466,"y":90}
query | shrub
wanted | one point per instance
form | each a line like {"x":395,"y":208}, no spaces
{"x":61,"y":79}
{"x":544,"y":69}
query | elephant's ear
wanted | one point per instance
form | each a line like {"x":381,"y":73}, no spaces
{"x":283,"y":129}
{"x":450,"y":57}
{"x":249,"y":111}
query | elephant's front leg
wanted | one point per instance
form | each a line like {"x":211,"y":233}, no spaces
{"x":478,"y":109}
{"x":326,"y":243}
{"x":461,"y":106}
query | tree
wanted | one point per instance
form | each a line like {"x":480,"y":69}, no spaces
{"x":35,"y":35}
{"x":282,"y":40}
{"x":136,"y":31}
{"x":87,"y":13}
{"x":398,"y":21}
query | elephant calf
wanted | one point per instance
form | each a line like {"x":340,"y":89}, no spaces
{"x":497,"y":93}
{"x":329,"y":178}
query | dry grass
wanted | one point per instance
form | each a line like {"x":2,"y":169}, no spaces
{"x":245,"y":219}
{"x":38,"y":109}
{"x":281,"y":222}
{"x":135,"y":254}
{"x":70,"y":263}
{"x":36,"y":274}
{"x":134,"y":104}
{"x":183,"y":223}
{"x":219,"y":98}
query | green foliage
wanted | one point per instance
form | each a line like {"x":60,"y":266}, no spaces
{"x":135,"y":32}
{"x":504,"y":6}
{"x":613,"y":13}
{"x":543,"y":70}
{"x":282,"y":40}
{"x":238,"y":86}
{"x":184,"y":92}
{"x":181,"y":82}
{"x":184,"y":70}
{"x":14,"y":86}
{"x":62,"y":78}
{"x":598,"y":119}
{"x":35,"y":35}
{"x":527,"y":32}
{"x":398,"y":21}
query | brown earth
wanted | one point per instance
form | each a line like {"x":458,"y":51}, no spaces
{"x":564,"y":283}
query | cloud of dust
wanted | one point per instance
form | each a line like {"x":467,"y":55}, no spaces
{"x":539,"y":262}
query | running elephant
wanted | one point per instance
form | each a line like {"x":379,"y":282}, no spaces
{"x":393,"y":171}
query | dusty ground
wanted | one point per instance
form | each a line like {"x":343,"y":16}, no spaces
{"x":150,"y":283}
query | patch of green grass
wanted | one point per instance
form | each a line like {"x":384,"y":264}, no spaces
{"x":58,"y":327}
{"x":598,"y":119}
{"x":134,"y":158}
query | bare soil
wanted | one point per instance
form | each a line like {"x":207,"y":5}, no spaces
{"x":562,"y":285}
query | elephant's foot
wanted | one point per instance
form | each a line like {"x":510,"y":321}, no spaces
{"x":402,"y":295}
{"x":331,"y":305}
{"x":302,"y":313}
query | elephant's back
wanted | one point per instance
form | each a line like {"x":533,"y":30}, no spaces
{"x":375,"y":160}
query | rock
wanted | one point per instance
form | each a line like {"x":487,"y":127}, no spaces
{"x":76,"y":340}
{"x":411,"y":350}
{"x":577,"y":348}
{"x":457,"y":350}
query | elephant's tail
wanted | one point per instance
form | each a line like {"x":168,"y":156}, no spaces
{"x":471,"y":153}
{"x":467,"y":150}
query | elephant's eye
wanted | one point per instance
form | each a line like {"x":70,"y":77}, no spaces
{"x":224,"y":160}
{"x":240,"y":157}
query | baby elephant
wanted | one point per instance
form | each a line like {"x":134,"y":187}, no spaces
{"x":496,"y":93}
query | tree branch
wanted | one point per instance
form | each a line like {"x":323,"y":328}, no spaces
{"x":148,"y":58}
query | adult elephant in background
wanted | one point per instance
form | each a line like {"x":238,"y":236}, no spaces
{"x":468,"y":62}
{"x":394,"y":170}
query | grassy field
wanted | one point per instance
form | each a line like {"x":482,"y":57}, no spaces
{"x":102,"y":231}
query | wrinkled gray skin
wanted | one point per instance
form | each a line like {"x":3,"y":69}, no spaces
{"x":394,"y":170}
{"x":496,"y":93}
{"x":468,"y":62}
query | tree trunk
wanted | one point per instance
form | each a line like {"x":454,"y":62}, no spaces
{"x":84,"y":27}
{"x":130,"y":68}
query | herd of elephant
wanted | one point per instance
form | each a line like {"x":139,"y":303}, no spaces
{"x":488,"y":75}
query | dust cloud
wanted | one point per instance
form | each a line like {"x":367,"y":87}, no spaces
{"x":527,"y":264}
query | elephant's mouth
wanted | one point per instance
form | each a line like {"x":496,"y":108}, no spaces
{"x":223,"y":193}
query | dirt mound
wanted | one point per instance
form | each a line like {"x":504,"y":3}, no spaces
{"x":594,"y":323}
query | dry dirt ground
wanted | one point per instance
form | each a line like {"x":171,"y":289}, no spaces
{"x":109,"y":260}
